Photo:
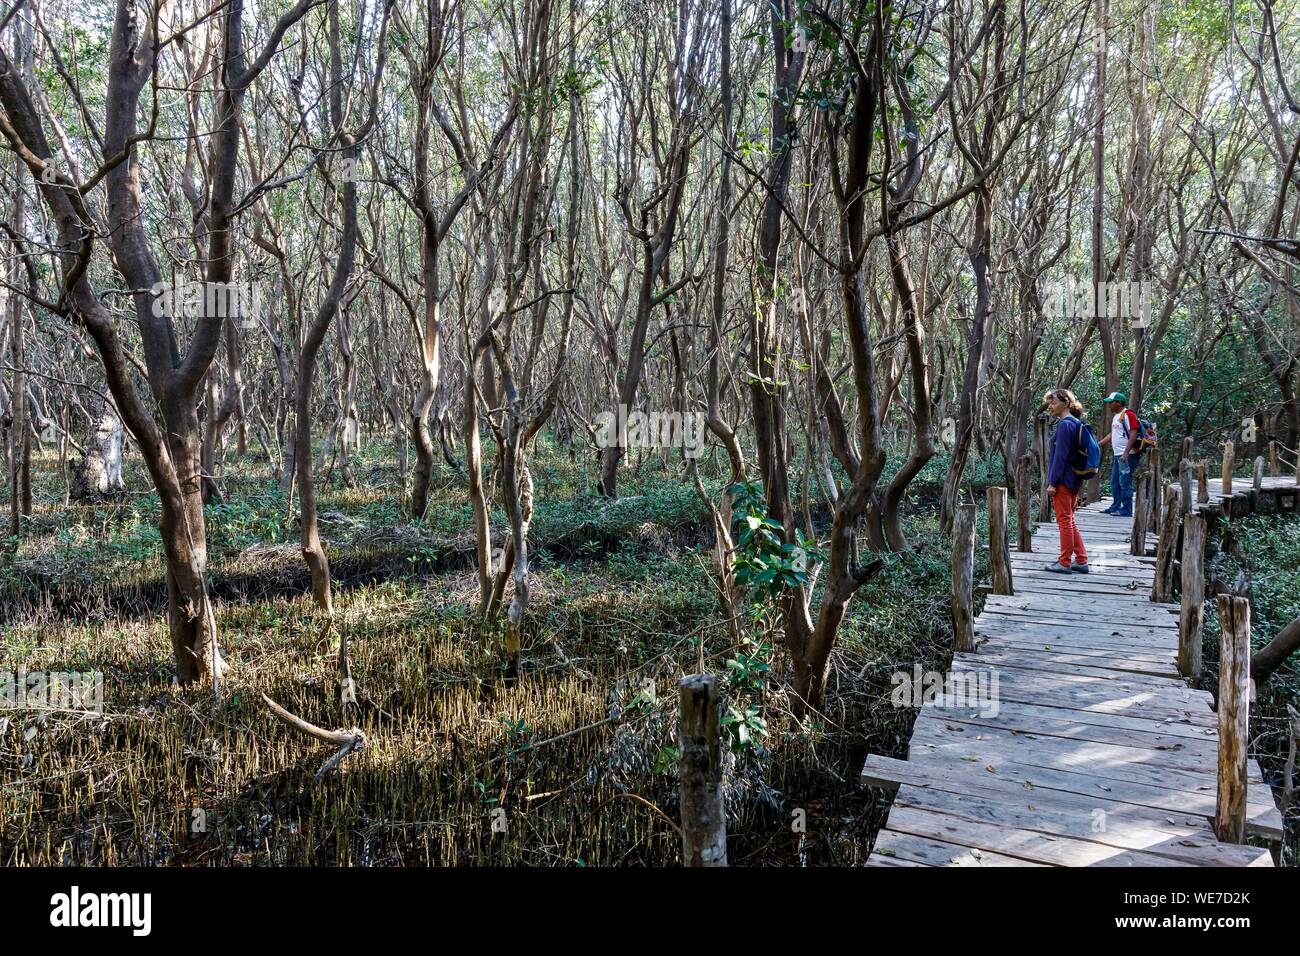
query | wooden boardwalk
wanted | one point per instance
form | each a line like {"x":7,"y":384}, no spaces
{"x":1089,"y":750}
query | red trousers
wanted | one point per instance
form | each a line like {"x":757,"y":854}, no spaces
{"x":1063,"y":503}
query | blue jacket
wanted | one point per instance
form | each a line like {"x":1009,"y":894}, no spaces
{"x":1064,"y":440}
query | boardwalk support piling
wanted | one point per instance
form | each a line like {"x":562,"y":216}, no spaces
{"x":1141,"y":507}
{"x":1202,"y":482}
{"x":963,"y":578}
{"x":1163,"y":586}
{"x":999,"y":556}
{"x":1192,"y":615}
{"x":1227,"y":468}
{"x":1040,"y":452}
{"x":1024,"y":517}
{"x":1234,"y":717}
{"x":704,"y":824}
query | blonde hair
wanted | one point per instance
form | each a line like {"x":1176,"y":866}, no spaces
{"x":1067,"y":396}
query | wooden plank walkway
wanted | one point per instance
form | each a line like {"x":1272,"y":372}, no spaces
{"x":1089,"y":750}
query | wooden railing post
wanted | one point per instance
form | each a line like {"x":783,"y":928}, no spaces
{"x":1202,"y":482}
{"x":1234,"y":717}
{"x":1257,"y":482}
{"x":1227,"y":468}
{"x":1191,"y":618}
{"x":1045,"y":512}
{"x":963,"y":578}
{"x":1187,"y":448}
{"x":704,"y":822}
{"x":1024,"y":516}
{"x":999,"y":552}
{"x":1141,"y":505}
{"x":1185,"y":487}
{"x":1163,"y":587}
{"x":1274,"y":463}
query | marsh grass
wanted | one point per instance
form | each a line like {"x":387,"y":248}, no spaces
{"x":461,"y":767}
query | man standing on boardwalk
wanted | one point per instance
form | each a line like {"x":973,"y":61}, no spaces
{"x":1063,"y":481}
{"x":1123,"y":436}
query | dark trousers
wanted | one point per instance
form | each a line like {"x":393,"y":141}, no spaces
{"x":1121,"y":483}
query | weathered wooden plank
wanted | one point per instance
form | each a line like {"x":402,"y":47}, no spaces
{"x":1112,"y":582}
{"x":1032,"y":845}
{"x":884,"y":859}
{"x":1159,"y":768}
{"x":1189,"y":706}
{"x":909,"y":848}
{"x":1260,"y":819}
{"x":1139,"y":723}
{"x":1027,"y":643}
{"x":937,"y":775}
{"x":1142,"y":641}
{"x":1116,"y":825}
{"x":1083,"y":614}
{"x":1102,"y":567}
{"x":1012,"y":718}
{"x":1157,"y":629}
{"x":1076,"y":664}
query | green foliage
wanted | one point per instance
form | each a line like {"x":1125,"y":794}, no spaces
{"x":763,"y":562}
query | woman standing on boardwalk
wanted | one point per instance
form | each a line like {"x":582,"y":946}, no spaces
{"x":1063,"y":483}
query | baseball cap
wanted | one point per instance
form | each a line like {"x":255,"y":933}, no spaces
{"x":1116,"y":397}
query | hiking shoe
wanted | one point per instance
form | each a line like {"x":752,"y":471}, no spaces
{"x":1080,"y":568}
{"x":1057,"y":567}
{"x":1123,"y":514}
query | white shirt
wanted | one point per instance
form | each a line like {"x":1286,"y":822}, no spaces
{"x":1118,"y":440}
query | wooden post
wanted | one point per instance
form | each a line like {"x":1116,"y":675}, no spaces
{"x":1202,"y":482}
{"x":1141,"y":496}
{"x":1187,"y":448}
{"x":1234,"y":717}
{"x":999,"y":552}
{"x":1258,"y":480}
{"x":963,"y":578}
{"x":1191,"y":618}
{"x":1213,"y":515}
{"x":1227,"y":468}
{"x":1184,"y":487}
{"x":1163,"y":587}
{"x":704,"y":823}
{"x":1274,"y":464}
{"x":1045,"y":512}
{"x":1157,"y":467}
{"x":1024,"y":522}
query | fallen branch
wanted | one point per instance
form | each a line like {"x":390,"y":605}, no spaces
{"x":346,"y":740}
